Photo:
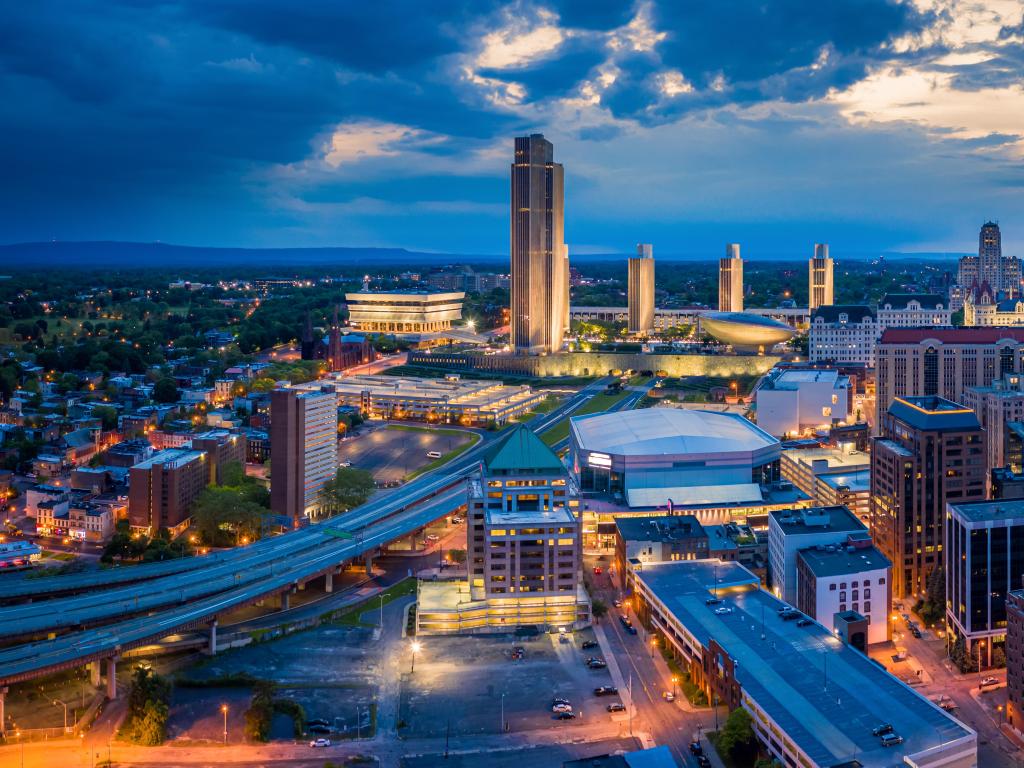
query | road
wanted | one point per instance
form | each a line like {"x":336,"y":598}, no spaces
{"x":264,"y":568}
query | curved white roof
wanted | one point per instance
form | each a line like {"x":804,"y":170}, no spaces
{"x":668,"y":431}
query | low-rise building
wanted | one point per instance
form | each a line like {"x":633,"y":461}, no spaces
{"x":657,"y":539}
{"x":790,"y":531}
{"x":843,"y":334}
{"x":984,"y":552}
{"x":222,"y":448}
{"x":913,"y":310}
{"x":793,"y":401}
{"x":833,"y":476}
{"x":814,"y":701}
{"x":854,"y":576}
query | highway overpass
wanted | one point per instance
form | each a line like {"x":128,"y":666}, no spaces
{"x":190,"y":594}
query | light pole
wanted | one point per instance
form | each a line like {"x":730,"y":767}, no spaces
{"x":674,"y":681}
{"x":224,"y":711}
{"x":415,"y":649}
{"x":503,"y":713}
{"x":18,"y":735}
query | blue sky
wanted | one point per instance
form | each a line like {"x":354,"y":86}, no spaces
{"x":869,"y":124}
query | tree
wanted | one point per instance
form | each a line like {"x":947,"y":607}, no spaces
{"x":262,"y":384}
{"x":737,"y":739}
{"x":349,"y":488}
{"x":599,"y":608}
{"x":107,"y":416}
{"x":457,"y":555}
{"x":223,"y":514}
{"x":146,"y":721}
{"x":166,"y":391}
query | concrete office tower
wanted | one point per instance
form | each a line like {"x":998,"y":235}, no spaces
{"x":540,"y":259}
{"x":641,"y":290}
{"x":990,"y":256}
{"x":304,"y":449}
{"x":929,"y":451}
{"x":730,"y":280}
{"x":820,"y":292}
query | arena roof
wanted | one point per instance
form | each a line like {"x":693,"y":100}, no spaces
{"x":668,"y":431}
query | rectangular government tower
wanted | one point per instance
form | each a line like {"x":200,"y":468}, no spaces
{"x":641,"y":290}
{"x":820,"y":277}
{"x":730,"y":280}
{"x":540,"y":259}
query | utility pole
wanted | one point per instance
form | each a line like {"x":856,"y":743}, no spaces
{"x":630,"y":703}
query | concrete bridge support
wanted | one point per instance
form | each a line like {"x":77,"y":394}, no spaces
{"x":112,"y":678}
{"x":329,"y":582}
{"x":285,"y":600}
{"x":211,"y":649}
{"x":94,"y":673}
{"x":3,"y":715}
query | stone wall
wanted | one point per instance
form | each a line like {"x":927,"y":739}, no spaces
{"x":600,"y":363}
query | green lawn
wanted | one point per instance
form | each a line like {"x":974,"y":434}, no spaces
{"x":597,"y":404}
{"x":352,"y":616}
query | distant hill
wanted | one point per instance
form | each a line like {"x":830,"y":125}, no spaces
{"x":119,"y":255}
{"x":124,"y":255}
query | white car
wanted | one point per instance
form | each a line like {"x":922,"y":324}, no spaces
{"x":989,"y":681}
{"x":320,"y":743}
{"x":345,"y":464}
{"x":562,"y":708}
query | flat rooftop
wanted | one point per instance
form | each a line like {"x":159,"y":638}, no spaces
{"x":557,"y":516}
{"x":855,"y":482}
{"x":463,"y":393}
{"x":933,"y":413}
{"x":841,"y":561}
{"x":661,"y":528}
{"x":795,"y":522}
{"x":176,"y":457}
{"x":669,"y":431}
{"x":836,"y":457}
{"x":823,"y":694}
{"x":790,"y":380}
{"x":1003,"y":510}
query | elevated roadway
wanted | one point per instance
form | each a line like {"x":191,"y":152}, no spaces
{"x":192,"y":598}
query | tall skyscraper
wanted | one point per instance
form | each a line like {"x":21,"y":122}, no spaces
{"x":540,"y":259}
{"x":730,"y":280}
{"x":990,"y":255}
{"x":929,"y":451}
{"x":641,"y":290}
{"x":304,"y":449}
{"x":820,"y":291}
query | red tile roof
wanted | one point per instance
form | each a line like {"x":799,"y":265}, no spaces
{"x":951,"y":335}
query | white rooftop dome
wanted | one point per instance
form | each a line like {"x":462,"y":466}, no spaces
{"x":669,"y":431}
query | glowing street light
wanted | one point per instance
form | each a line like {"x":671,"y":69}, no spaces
{"x":224,"y":711}
{"x":415,"y":649}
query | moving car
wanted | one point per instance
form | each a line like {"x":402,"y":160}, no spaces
{"x":804,"y":622}
{"x":703,"y":761}
{"x":597,"y":663}
{"x":565,"y":716}
{"x":433,"y":454}
{"x":668,"y":696}
{"x":597,"y":570}
{"x":616,"y":707}
{"x":723,"y":610}
{"x":562,"y":708}
{"x":589,"y":644}
{"x":988,"y":682}
{"x":345,"y":464}
{"x":696,"y":748}
{"x":320,"y":743}
{"x":712,"y":601}
{"x":606,"y":690}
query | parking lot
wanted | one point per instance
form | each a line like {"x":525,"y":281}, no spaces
{"x":462,"y":683}
{"x":333,"y":672}
{"x":391,"y":453}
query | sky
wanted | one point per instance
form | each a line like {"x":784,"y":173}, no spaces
{"x":872,"y":125}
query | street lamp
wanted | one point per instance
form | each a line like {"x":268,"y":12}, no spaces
{"x":224,"y":711}
{"x":415,"y":648}
{"x":674,"y":681}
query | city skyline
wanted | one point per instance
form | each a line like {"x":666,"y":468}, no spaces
{"x":298,"y":132}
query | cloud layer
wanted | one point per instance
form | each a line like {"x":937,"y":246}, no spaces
{"x":872,"y":124}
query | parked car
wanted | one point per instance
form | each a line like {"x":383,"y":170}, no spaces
{"x":616,"y":707}
{"x":703,"y":761}
{"x":606,"y":690}
{"x":712,"y":601}
{"x":597,"y":570}
{"x":433,"y":454}
{"x":881,"y":730}
{"x":696,"y":748}
{"x":668,"y":696}
{"x":562,"y":708}
{"x":597,"y":664}
{"x":988,"y":682}
{"x":617,"y":602}
{"x":723,"y":610}
{"x":565,"y":716}
{"x":891,"y":740}
{"x":320,"y":743}
{"x":345,"y":464}
{"x":589,"y":644}
{"x":915,"y":632}
{"x":805,"y":622}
